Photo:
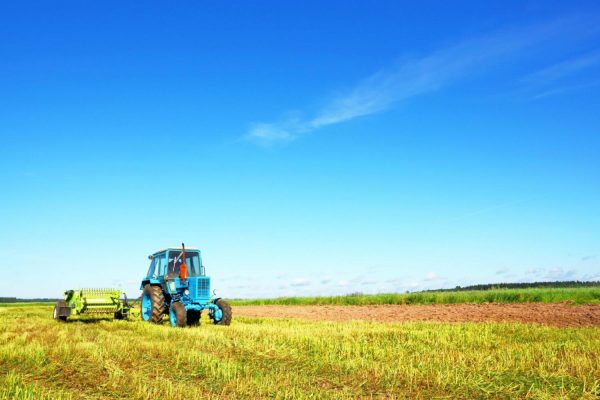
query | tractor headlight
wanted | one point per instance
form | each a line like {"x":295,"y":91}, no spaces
{"x":186,"y":292}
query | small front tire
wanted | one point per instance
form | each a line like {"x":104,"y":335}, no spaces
{"x":226,"y":313}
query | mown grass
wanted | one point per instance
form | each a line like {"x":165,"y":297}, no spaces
{"x":584,"y":295}
{"x":293,"y":359}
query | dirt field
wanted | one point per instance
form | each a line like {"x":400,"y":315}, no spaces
{"x":556,"y":314}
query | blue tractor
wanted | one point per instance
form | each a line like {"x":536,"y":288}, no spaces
{"x":176,"y":285}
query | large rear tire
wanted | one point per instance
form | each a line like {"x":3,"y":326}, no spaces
{"x":178,"y":315}
{"x":226,"y":313}
{"x":153,"y":304}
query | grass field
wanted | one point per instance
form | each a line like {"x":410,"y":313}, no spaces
{"x":583,"y":295}
{"x":258,"y":358}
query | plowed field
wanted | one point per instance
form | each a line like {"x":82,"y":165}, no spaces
{"x":555,"y":314}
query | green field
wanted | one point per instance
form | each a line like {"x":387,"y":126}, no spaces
{"x":582,"y":295}
{"x":294,"y":359}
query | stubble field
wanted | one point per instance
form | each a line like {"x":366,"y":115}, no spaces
{"x":295,"y":358}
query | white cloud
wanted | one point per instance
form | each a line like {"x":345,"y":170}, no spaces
{"x":566,"y":75}
{"x":534,"y":271}
{"x":566,"y":88}
{"x":368,"y":282}
{"x":555,"y":274}
{"x":431,"y":277}
{"x":299,"y":282}
{"x":566,"y":68}
{"x":560,"y":274}
{"x":407,"y":79}
{"x":402,"y":284}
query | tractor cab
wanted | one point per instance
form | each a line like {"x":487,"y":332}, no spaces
{"x":168,"y":263}
{"x":192,"y":261}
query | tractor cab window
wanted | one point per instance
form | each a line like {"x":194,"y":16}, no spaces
{"x":174,"y":263}
{"x":160,"y":268}
{"x":192,"y":260}
{"x":152,"y":269}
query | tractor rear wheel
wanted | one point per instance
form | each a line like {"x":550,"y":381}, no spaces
{"x":193,"y":318}
{"x":153,"y":304}
{"x":178,"y":315}
{"x":226,"y":313}
{"x":59,"y":304}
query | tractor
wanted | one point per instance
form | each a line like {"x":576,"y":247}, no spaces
{"x":176,"y":285}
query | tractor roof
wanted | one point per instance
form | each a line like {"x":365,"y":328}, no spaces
{"x":173,"y":248}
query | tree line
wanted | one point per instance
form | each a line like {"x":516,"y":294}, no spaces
{"x":17,"y":300}
{"x":522,"y":285}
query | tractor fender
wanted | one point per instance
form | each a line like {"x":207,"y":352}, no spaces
{"x":153,"y":282}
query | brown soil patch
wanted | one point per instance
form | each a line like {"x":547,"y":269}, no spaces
{"x":556,"y":314}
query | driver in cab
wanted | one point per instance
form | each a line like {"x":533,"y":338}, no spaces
{"x":174,"y":267}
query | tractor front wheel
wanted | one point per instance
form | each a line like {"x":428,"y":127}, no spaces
{"x":178,"y":315}
{"x":153,"y":304}
{"x":224,"y":316}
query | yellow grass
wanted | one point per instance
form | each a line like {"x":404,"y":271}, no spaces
{"x":261,"y":358}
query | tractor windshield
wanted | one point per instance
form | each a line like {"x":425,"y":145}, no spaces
{"x":192,"y":260}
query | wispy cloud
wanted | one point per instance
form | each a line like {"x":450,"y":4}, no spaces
{"x":405,"y":80}
{"x":566,"y":67}
{"x":554,"y":274}
{"x":432,"y":277}
{"x":490,"y":209}
{"x":566,"y":88}
{"x":572,"y":74}
{"x":300,"y":282}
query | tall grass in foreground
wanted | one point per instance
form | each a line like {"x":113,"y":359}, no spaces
{"x":586,"y":295}
{"x":293,"y":359}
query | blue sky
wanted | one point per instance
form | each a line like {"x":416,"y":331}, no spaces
{"x":306,"y":148}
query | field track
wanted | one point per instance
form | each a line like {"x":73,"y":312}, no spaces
{"x":555,"y":314}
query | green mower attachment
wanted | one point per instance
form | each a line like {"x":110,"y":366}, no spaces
{"x":92,"y":301}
